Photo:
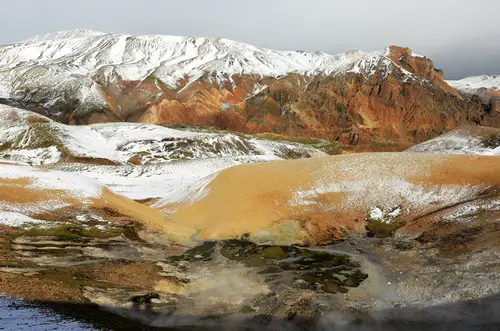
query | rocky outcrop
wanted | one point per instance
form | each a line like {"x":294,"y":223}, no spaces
{"x":421,"y":66}
{"x":495,"y":104}
{"x":350,"y":108}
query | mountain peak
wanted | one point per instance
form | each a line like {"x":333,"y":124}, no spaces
{"x":171,"y":58}
{"x":67,"y":34}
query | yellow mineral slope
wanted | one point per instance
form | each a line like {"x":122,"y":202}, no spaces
{"x":315,"y":200}
{"x":310,"y":200}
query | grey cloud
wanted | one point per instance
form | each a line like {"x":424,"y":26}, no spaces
{"x":460,"y":35}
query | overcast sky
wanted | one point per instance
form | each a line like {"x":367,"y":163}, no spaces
{"x":461,"y":36}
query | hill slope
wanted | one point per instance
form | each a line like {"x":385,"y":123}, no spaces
{"x":464,"y":140}
{"x":28,"y":137}
{"x":140,"y":161}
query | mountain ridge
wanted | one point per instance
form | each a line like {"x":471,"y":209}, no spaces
{"x":83,"y":76}
{"x":117,"y":49}
{"x":490,"y":82}
{"x":483,"y":88}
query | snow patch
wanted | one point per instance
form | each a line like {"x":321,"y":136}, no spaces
{"x":188,"y":194}
{"x":469,"y":211}
{"x":376,"y":214}
{"x":75,"y":185}
{"x":458,"y":141}
{"x":38,"y":156}
{"x":14,"y":219}
{"x":88,"y":218}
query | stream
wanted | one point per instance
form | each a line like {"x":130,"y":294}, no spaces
{"x":19,"y":315}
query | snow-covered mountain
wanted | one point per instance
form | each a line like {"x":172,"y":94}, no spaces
{"x":74,"y":65}
{"x":85,"y":77}
{"x":170,"y":58}
{"x":471,"y":85}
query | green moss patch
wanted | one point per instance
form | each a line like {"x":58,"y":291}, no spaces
{"x":381,"y":229}
{"x":204,"y":252}
{"x":320,"y":270}
{"x":378,"y":143}
{"x":313,"y":269}
{"x":73,"y":232}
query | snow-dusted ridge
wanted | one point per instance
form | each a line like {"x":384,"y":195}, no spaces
{"x":471,"y":85}
{"x":27,"y":137}
{"x":135,"y":57}
{"x":61,"y":35}
{"x":73,"y":64}
{"x":164,"y":159}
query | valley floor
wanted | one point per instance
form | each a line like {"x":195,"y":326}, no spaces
{"x":442,"y":280}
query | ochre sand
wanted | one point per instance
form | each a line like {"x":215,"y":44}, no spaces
{"x":259,"y":199}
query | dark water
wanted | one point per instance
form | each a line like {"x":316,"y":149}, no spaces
{"x":474,"y":315}
{"x":19,"y":315}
